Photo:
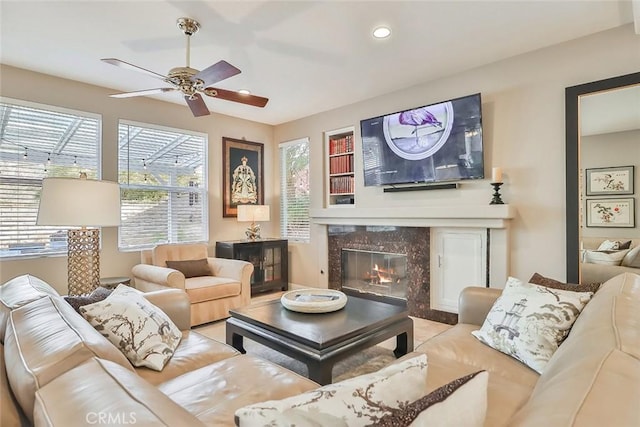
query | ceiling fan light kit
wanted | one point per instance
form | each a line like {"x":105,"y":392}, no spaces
{"x":192,"y":82}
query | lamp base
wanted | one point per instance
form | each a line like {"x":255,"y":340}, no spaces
{"x":83,"y":265}
{"x":253,"y":232}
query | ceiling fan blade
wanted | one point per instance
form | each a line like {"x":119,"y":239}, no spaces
{"x":230,"y":95}
{"x":197,"y":105}
{"x":126,"y":65}
{"x":142,"y":92}
{"x":217,"y":72}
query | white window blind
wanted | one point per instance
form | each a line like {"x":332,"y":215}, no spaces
{"x":294,"y":194}
{"x":38,"y":141}
{"x":162,"y":175}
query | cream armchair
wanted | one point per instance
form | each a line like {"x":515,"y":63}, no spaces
{"x":211,"y":296}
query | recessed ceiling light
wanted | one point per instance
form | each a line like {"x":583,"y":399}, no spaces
{"x":244,"y":92}
{"x":381,"y":32}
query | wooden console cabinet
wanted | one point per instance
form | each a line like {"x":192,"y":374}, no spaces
{"x":270,"y":259}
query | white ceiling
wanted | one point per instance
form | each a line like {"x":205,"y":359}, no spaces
{"x":305,"y":56}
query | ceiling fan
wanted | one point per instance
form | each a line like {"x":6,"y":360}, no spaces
{"x":190,"y":81}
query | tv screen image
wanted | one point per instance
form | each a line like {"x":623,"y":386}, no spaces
{"x":434,"y":143}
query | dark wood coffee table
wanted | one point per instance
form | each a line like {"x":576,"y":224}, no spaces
{"x":321,"y":339}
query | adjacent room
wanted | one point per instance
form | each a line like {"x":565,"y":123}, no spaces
{"x":319,"y":213}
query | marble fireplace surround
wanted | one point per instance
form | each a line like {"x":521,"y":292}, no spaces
{"x":495,"y":218}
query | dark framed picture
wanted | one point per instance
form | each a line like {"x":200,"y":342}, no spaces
{"x":618,"y":213}
{"x":610,"y":181}
{"x":242,"y":176}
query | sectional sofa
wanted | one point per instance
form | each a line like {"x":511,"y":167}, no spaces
{"x":56,"y":370}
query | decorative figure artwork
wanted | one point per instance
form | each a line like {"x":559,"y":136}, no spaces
{"x":243,"y":175}
{"x":611,"y":213}
{"x":610,"y":181}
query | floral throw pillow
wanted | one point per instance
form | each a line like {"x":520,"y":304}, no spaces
{"x":359,"y":401}
{"x":529,"y":322}
{"x":142,"y":332}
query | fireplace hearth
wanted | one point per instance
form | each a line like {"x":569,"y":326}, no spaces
{"x":405,"y":250}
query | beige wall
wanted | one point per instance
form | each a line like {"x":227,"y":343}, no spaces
{"x":25,"y":85}
{"x":524,"y":133}
{"x":606,"y":150}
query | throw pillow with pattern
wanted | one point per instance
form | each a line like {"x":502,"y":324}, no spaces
{"x":462,"y":402}
{"x":359,"y":401}
{"x":142,"y":332}
{"x":529,"y":322}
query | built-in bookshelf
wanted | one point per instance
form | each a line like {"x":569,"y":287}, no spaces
{"x":340,"y":185}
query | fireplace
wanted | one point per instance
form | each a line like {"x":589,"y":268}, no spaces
{"x":379,"y":273}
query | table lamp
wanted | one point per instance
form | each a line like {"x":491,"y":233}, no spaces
{"x":80,"y":202}
{"x":253,"y":214}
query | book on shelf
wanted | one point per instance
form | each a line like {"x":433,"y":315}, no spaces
{"x":340,"y":145}
{"x":341,"y":164}
{"x":341,"y":185}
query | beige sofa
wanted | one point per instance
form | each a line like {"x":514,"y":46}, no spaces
{"x":598,"y":273}
{"x":62,"y":372}
{"x":57,"y":370}
{"x":211,"y":296}
{"x":593,"y":380}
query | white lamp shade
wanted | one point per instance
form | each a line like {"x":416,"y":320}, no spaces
{"x":253,"y":213}
{"x":79,"y":202}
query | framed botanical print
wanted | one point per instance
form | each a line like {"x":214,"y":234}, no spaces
{"x":611,"y":213}
{"x":610,"y":181}
{"x":242,"y":174}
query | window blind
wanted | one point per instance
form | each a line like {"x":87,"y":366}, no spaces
{"x":38,"y":141}
{"x":294,"y":194}
{"x":162,"y":175}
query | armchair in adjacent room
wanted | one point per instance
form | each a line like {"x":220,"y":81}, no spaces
{"x":214,"y":285}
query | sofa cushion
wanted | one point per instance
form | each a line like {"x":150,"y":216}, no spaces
{"x":538,"y":279}
{"x":78,"y":301}
{"x":458,"y":345}
{"x":109,"y":395}
{"x":614,"y":245}
{"x":592,"y":393}
{"x":209,"y":288}
{"x":144,"y":334}
{"x":611,"y":257}
{"x":9,"y":409}
{"x":46,"y":338}
{"x":176,"y":252}
{"x":213,"y":393}
{"x":530,"y":321}
{"x":193,"y":352}
{"x":632,"y":258}
{"x":442,"y":406}
{"x":359,"y":401}
{"x":19,"y":291}
{"x":505,"y":396}
{"x":191,"y":268}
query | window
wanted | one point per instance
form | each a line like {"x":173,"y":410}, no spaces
{"x":163,"y":179}
{"x":294,"y":194}
{"x":38,"y":141}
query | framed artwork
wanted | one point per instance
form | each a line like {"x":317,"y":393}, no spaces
{"x":611,"y":213}
{"x":609,"y":181}
{"x":242,"y":175}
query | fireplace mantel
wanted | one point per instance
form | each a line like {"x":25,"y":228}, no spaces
{"x":485,"y":216}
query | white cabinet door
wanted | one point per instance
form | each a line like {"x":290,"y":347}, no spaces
{"x":458,"y":260}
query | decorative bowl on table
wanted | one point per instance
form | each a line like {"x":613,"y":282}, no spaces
{"x":313,"y":300}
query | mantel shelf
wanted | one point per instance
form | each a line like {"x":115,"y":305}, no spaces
{"x":488,"y":216}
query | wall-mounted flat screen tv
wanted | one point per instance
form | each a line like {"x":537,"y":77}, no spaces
{"x":435,"y":143}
